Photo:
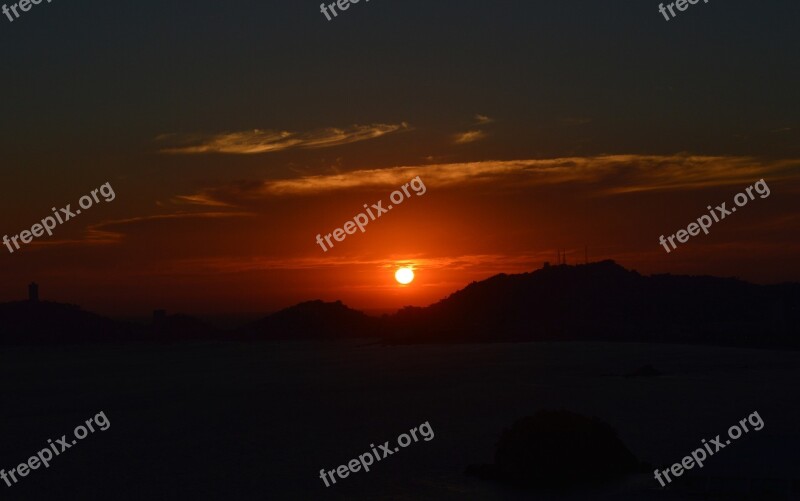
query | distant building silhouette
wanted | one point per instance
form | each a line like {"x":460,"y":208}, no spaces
{"x":33,"y":292}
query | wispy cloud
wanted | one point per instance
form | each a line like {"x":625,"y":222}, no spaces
{"x":110,"y":232}
{"x":231,"y":264}
{"x":92,"y":236}
{"x":681,"y":172}
{"x":114,"y":227}
{"x":469,"y":136}
{"x":198,"y":199}
{"x":265,"y":141}
{"x":483,"y":119}
{"x":609,"y":174}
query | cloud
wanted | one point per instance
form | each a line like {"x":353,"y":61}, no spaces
{"x":265,"y":141}
{"x":109,"y":226}
{"x":109,"y":232}
{"x":93,"y":236}
{"x":469,"y":136}
{"x":199,"y":199}
{"x":608,"y":174}
{"x":483,"y":119}
{"x":681,"y":172}
{"x":486,"y":262}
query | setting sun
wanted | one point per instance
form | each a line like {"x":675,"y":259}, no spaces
{"x":404,"y":275}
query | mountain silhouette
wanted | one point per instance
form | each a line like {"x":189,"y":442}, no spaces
{"x":45,"y":322}
{"x":605,"y":302}
{"x":593,"y":302}
{"x":314,"y":320}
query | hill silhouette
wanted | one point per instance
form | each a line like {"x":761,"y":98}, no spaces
{"x":45,"y":322}
{"x":314,"y":320}
{"x":52,"y":323}
{"x":598,"y":302}
{"x":605,"y":302}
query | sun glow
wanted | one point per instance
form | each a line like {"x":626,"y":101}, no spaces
{"x":404,"y":275}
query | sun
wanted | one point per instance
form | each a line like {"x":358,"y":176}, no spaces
{"x":404,"y":275}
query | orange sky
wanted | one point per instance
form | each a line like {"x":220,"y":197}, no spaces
{"x":249,"y":245}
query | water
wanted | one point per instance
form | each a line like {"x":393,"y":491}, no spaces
{"x":230,"y":421}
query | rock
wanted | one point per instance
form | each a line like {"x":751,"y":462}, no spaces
{"x":558,"y":449}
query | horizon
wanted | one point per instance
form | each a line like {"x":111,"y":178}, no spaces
{"x":220,"y":319}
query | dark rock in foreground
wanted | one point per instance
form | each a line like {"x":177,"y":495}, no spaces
{"x":558,"y":449}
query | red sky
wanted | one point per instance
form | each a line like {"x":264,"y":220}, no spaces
{"x":248,"y":245}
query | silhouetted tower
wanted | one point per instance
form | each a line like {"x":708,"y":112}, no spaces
{"x":33,"y":292}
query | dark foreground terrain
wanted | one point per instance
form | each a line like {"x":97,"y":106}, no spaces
{"x":258,"y":421}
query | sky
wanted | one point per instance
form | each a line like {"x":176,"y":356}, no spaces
{"x":233,"y":133}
